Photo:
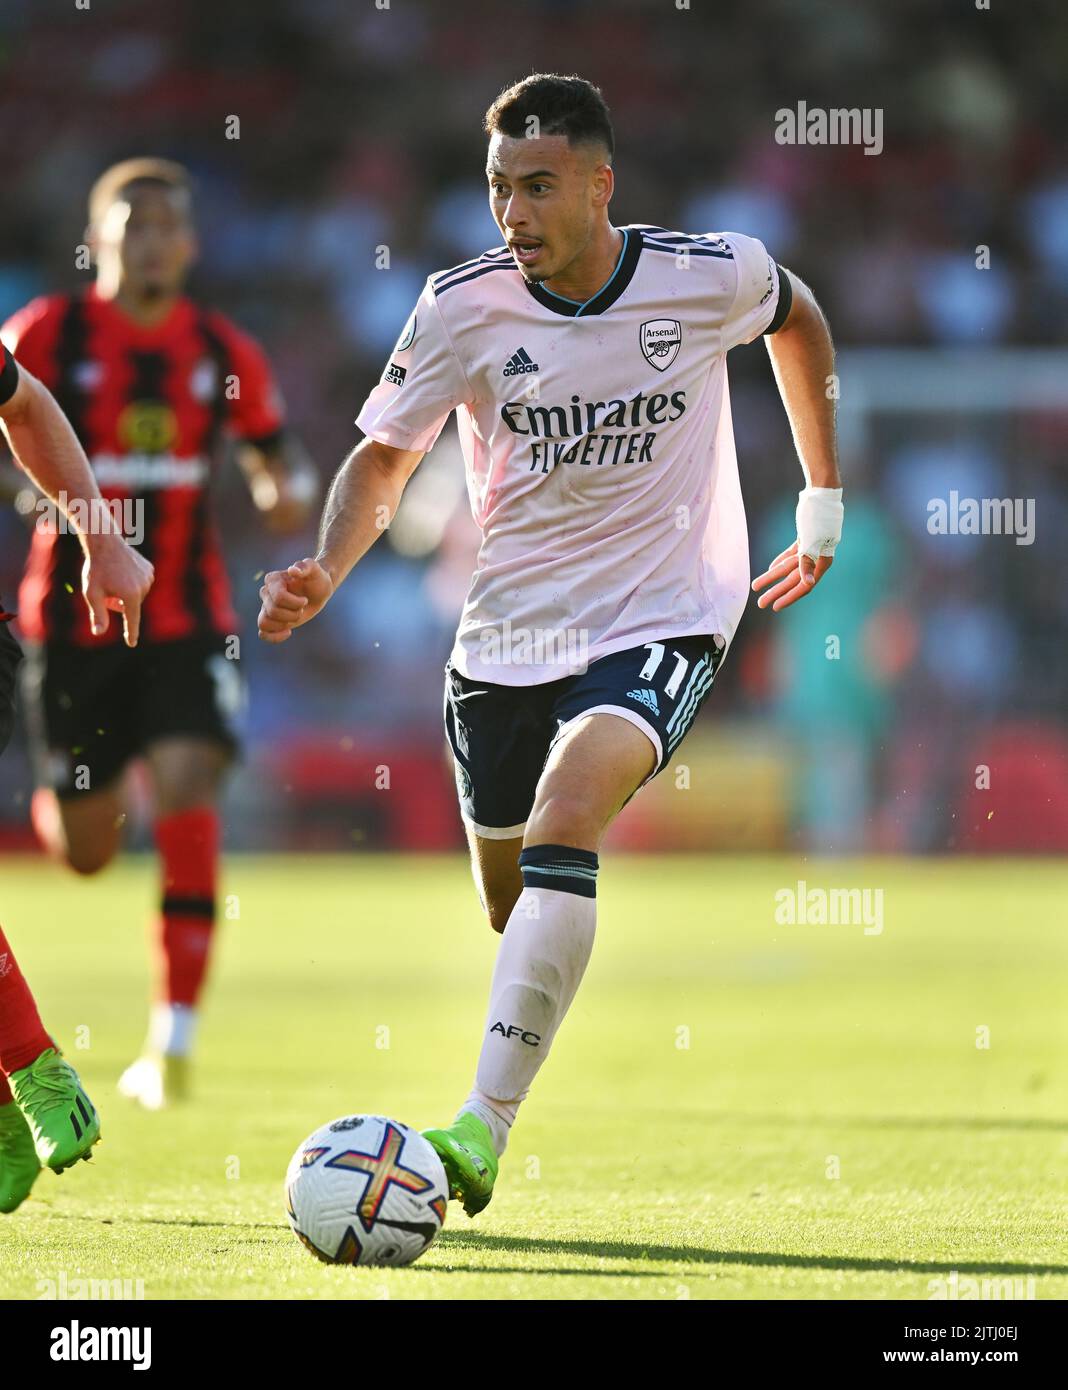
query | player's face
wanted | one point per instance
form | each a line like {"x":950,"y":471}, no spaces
{"x":546,"y":196}
{"x":147,"y":237}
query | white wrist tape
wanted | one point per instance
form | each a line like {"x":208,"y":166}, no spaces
{"x":819,"y":521}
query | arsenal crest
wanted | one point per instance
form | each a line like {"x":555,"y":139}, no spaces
{"x":661,"y":340}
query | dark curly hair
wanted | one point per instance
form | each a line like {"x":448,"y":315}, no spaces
{"x":568,"y":106}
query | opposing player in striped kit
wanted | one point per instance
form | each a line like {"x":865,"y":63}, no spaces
{"x":586,"y":364}
{"x":152,"y":383}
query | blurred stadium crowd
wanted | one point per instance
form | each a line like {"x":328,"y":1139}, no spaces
{"x":358,"y":171}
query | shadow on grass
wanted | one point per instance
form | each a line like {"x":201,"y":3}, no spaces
{"x":167,"y":1221}
{"x":902,"y":1122}
{"x":682,"y":1254}
{"x":458,"y":1242}
{"x":772,"y":1121}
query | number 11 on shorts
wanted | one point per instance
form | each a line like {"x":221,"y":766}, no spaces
{"x":656,"y":656}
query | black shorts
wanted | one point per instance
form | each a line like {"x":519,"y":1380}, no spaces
{"x":10,"y":656}
{"x":501,"y":735}
{"x":90,"y":710}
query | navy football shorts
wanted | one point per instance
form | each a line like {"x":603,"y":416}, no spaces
{"x":501,"y":735}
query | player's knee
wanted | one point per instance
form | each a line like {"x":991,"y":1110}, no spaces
{"x":564,"y":819}
{"x":87,"y":859}
{"x":82,"y":838}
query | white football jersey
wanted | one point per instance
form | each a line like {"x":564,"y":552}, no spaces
{"x":598,"y":445}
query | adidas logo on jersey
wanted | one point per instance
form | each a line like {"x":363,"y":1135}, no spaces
{"x":646,"y":698}
{"x":519,"y":363}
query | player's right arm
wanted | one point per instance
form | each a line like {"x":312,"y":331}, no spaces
{"x":362,"y":501}
{"x":46,"y":448}
{"x":423,"y":382}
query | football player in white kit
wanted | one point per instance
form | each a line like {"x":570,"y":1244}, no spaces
{"x":586,"y":365}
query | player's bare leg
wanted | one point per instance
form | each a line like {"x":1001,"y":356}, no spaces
{"x":495,"y":866}
{"x":186,"y":772}
{"x":590,"y":774}
{"x":186,"y":775}
{"x":84,"y":831}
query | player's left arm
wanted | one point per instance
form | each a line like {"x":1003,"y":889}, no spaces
{"x":281,"y":477}
{"x":802,"y":357}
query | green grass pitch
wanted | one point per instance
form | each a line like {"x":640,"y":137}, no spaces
{"x":641,"y":1167}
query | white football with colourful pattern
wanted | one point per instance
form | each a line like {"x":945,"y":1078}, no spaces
{"x":366,"y":1190}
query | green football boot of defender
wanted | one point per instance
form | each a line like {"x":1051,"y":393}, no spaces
{"x":469,"y":1159}
{"x":19,"y":1164}
{"x":61,"y":1117}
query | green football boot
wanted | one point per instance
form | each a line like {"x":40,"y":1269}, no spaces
{"x":19,"y":1164}
{"x":469,"y":1159}
{"x":60,"y":1115}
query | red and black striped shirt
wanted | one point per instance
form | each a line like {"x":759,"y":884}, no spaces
{"x":149,"y":406}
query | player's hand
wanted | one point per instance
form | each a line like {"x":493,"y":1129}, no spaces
{"x":286,"y":500}
{"x":291,"y":597}
{"x":115,"y":579}
{"x":791,"y":580}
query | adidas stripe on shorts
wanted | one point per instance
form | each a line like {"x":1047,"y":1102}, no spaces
{"x":501,"y":735}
